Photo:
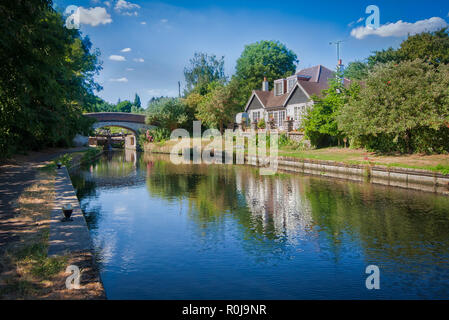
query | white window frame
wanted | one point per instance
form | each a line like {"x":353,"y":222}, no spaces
{"x":277,"y":84}
{"x":256,"y":116}
{"x":291,"y":83}
{"x":281,"y":117}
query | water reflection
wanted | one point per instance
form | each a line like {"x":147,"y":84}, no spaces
{"x":184,"y":230}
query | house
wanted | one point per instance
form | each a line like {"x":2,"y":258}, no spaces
{"x":290,"y":97}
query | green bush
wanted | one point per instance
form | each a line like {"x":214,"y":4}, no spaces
{"x":402,"y":108}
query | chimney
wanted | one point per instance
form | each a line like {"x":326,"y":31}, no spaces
{"x":341,"y":66}
{"x":265,"y":84}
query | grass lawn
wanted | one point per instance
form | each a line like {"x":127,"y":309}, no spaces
{"x":436,"y":163}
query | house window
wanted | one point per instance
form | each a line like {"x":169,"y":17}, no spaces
{"x":300,"y":112}
{"x":291,"y":84}
{"x":281,"y":118}
{"x":256,"y":116}
{"x":279,"y":88}
{"x":297,"y":113}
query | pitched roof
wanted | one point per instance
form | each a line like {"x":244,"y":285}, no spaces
{"x":319,"y":78}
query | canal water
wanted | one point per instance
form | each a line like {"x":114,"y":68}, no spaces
{"x":163,"y":231}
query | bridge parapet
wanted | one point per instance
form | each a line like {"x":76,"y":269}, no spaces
{"x":117,"y":117}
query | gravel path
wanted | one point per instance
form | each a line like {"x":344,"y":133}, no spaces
{"x":15,"y":176}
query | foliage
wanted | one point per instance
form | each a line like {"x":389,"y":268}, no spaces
{"x":261,"y":124}
{"x":320,"y":123}
{"x":201,"y":71}
{"x":156,"y":135}
{"x":404,"y":107}
{"x":432,"y":47}
{"x":46,"y":76}
{"x":218,"y":107}
{"x":356,"y":70}
{"x":270,"y":59}
{"x":90,"y":154}
{"x":137,"y":102}
{"x":168,"y":113}
{"x":65,"y":159}
{"x":124,"y":106}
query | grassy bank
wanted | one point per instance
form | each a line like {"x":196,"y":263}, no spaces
{"x":434,"y":163}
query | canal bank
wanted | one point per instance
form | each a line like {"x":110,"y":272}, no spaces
{"x":29,"y":187}
{"x":408,"y":178}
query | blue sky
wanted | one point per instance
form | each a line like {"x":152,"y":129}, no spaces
{"x":145,"y":45}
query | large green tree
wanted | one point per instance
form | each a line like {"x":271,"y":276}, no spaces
{"x":201,"y":71}
{"x":219,"y":106}
{"x":168,"y":113}
{"x":403,"y":107}
{"x":270,"y":59}
{"x":46,"y":77}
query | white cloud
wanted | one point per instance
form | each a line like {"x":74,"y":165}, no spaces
{"x":93,"y":16}
{"x":400,"y":28}
{"x":126,"y":50}
{"x":129,"y":69}
{"x":119,"y":80}
{"x":107,"y":3}
{"x":143,"y":22}
{"x":164,"y":20}
{"x":126,"y":8}
{"x":139,"y":60}
{"x":360,"y":20}
{"x":117,"y":58}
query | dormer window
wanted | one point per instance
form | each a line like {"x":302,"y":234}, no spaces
{"x":291,"y":83}
{"x":279,"y":87}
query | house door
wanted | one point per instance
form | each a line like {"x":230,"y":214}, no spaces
{"x":281,"y":118}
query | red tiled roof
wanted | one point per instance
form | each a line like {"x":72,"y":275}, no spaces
{"x":319,"y":78}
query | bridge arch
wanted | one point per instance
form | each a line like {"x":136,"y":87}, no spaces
{"x":130,"y":121}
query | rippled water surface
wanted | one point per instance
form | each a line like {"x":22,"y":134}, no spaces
{"x":163,"y":231}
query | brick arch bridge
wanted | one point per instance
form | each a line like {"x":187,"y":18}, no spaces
{"x":130,"y":121}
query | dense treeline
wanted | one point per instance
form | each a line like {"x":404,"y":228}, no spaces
{"x":99,"y":105}
{"x":46,"y":76}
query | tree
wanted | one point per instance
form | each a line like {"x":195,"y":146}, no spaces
{"x":356,"y":70}
{"x":168,"y":113}
{"x":432,"y":47}
{"x":201,"y":71}
{"x":320,"y":123}
{"x":137,"y":102}
{"x":192,"y":102}
{"x":124,"y":106}
{"x":270,"y":59}
{"x":218,"y":107}
{"x":404,"y":107}
{"x":46,"y":77}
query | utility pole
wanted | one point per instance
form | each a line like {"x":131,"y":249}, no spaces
{"x":337,"y":44}
{"x":179,"y":88}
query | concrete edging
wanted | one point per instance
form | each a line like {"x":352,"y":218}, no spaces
{"x":72,"y":236}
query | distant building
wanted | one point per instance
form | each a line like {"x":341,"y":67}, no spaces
{"x":290,"y":97}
